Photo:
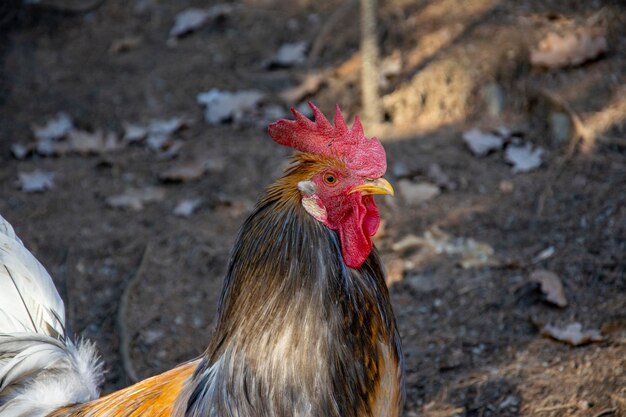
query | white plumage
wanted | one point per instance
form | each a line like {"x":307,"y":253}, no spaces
{"x":41,"y":367}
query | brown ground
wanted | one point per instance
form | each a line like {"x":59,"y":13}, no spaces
{"x":471,"y":343}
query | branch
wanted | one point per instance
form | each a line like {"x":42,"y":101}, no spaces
{"x":127,"y":362}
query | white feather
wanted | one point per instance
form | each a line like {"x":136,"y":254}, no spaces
{"x":27,"y":293}
{"x":41,"y":368}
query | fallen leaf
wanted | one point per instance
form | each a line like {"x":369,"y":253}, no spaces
{"x":183,"y":172}
{"x":544,"y":254}
{"x":125,"y":44}
{"x":20,"y":151}
{"x":473,"y":253}
{"x":551,"y":286}
{"x":135,"y":198}
{"x":85,"y":142}
{"x":55,"y":128}
{"x":289,"y":54}
{"x":193,"y":19}
{"x":157,"y":141}
{"x":160,"y":132}
{"x":167,"y":126}
{"x":481,"y":143}
{"x":134,"y":133}
{"x":89,"y":143}
{"x":506,"y":186}
{"x":170,"y":149}
{"x":185,"y":208}
{"x":36,"y":181}
{"x":523,"y":157}
{"x":224,"y":106}
{"x":47,"y":147}
{"x":570,"y":49}
{"x":417,"y":193}
{"x":573,"y":334}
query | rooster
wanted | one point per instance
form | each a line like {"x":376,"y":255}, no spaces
{"x":304,"y":324}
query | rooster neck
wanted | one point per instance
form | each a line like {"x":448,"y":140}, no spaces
{"x":298,"y":332}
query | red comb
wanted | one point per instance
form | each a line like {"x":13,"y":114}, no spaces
{"x":364,"y":156}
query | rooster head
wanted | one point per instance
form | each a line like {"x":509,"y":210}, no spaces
{"x":344,"y":170}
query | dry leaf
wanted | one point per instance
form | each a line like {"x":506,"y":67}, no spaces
{"x":572,"y":334}
{"x":157,"y":141}
{"x":289,"y":54}
{"x":192,"y":19}
{"x":125,"y":44}
{"x":135,"y":198}
{"x":544,"y":254}
{"x":36,"y":181}
{"x":506,"y":186}
{"x":167,"y":126}
{"x":21,"y":151}
{"x":55,"y":128}
{"x":160,"y":132}
{"x":571,"y":49}
{"x":134,"y":133}
{"x":88,"y":143}
{"x":183,"y":172}
{"x":481,"y":143}
{"x":417,"y":193}
{"x":224,"y":106}
{"x":170,"y":149}
{"x":185,"y":208}
{"x":523,"y":157}
{"x":551,"y":286}
{"x":473,"y":253}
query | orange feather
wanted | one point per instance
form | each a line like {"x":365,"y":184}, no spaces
{"x":154,"y":397}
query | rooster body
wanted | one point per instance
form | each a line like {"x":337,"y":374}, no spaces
{"x":298,"y":331}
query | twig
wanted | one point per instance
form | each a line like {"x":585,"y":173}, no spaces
{"x":582,"y":137}
{"x":605,"y":412}
{"x":554,"y":408}
{"x":127,"y":362}
{"x":326,"y":30}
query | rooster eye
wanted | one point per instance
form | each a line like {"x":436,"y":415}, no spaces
{"x":330,"y":179}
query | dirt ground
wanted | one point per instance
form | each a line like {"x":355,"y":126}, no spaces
{"x":470,"y":335}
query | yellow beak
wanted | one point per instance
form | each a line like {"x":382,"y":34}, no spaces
{"x":379,"y":186}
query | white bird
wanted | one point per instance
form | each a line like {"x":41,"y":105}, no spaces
{"x":41,"y":367}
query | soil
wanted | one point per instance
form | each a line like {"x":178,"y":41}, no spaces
{"x":471,"y":335}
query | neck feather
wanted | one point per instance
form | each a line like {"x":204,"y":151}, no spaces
{"x":291,"y":311}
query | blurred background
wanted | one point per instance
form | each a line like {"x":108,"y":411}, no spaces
{"x":133,"y":144}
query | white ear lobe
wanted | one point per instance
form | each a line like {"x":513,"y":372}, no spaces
{"x":307,"y":187}
{"x":312,"y":203}
{"x":314,"y":206}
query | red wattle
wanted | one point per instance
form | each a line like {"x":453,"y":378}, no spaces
{"x":356,"y":230}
